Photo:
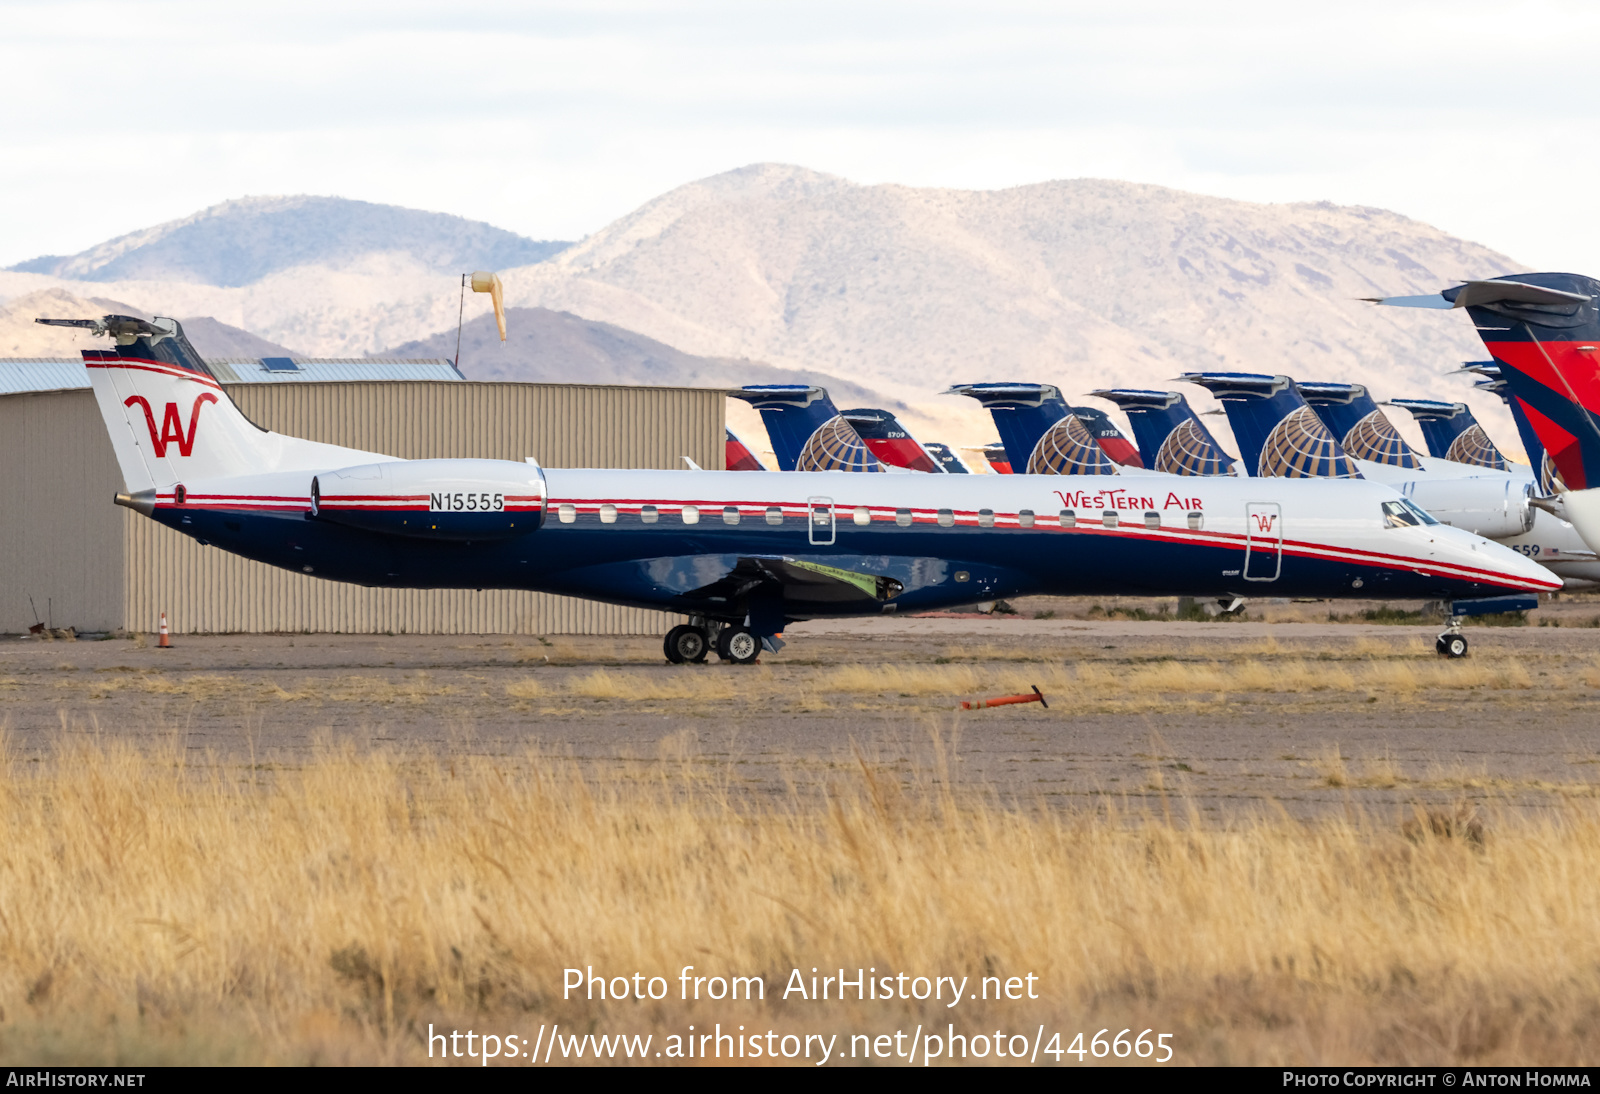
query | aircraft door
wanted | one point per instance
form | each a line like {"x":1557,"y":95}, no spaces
{"x":819,"y":521}
{"x":1263,"y":541}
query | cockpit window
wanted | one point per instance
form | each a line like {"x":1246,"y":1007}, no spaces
{"x":1405,"y":514}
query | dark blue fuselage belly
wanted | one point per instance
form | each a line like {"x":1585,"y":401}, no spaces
{"x":663,"y":566}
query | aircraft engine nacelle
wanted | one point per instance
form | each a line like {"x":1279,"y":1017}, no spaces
{"x":433,"y":499}
{"x":1494,"y":508}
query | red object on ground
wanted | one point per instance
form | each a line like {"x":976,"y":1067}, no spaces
{"x":164,"y":642}
{"x":1037,"y":696}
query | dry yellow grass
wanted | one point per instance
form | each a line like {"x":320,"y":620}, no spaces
{"x":330,"y":911}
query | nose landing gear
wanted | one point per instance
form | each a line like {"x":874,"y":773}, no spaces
{"x":1452,"y":643}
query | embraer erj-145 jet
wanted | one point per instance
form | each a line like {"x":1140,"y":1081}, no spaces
{"x":743,"y":554}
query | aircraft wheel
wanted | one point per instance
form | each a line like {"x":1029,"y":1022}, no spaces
{"x":685,"y":644}
{"x":739,"y":645}
{"x":1451,"y":645}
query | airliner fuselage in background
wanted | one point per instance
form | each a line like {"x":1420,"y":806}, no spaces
{"x":739,"y":554}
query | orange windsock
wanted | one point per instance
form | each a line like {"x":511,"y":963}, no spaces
{"x":484,"y":281}
{"x":1035,"y":696}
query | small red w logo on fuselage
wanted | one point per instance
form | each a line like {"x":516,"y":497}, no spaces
{"x":1264,"y":521}
{"x":171,"y":424}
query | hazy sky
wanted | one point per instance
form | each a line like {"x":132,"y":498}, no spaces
{"x":553,"y":119}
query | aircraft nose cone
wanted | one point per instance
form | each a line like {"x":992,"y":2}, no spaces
{"x":1514,"y":569}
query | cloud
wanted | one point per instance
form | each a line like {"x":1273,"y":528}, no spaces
{"x":552,"y":119}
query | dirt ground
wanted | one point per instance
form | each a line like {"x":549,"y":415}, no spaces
{"x":1146,"y":714}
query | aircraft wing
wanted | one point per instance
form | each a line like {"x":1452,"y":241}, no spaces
{"x":797,"y":580}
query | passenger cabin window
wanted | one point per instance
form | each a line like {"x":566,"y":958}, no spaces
{"x":1197,"y":521}
{"x":730,"y":514}
{"x":1067,"y":519}
{"x":1405,"y":514}
{"x":649,"y":514}
{"x":902,"y":517}
{"x":863,"y":515}
{"x":1152,"y":520}
{"x":691,"y":514}
{"x":568,"y":513}
{"x":1108,"y":518}
{"x":774,"y":515}
{"x":946,"y":518}
{"x":1025,"y":518}
{"x":608,"y":514}
{"x":985,"y":518}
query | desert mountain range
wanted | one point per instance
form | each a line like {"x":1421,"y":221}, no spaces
{"x":903,"y":290}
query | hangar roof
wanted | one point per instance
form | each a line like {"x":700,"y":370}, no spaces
{"x":20,"y":374}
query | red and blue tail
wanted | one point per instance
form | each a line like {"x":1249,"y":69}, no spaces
{"x":890,"y":441}
{"x":1543,"y":329}
{"x":737,"y":455}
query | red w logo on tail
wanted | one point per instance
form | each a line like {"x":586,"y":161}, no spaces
{"x":1264,"y":521}
{"x":171,"y":424}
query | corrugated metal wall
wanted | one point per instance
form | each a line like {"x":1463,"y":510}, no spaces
{"x":60,"y":536}
{"x":204,"y":589}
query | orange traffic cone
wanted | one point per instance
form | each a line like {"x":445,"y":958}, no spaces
{"x":164,"y":642}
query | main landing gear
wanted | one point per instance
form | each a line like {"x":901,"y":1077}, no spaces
{"x":686,"y":644}
{"x":1452,"y":643}
{"x":689,"y":643}
{"x":739,"y":645}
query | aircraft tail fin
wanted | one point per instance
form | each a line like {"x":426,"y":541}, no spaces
{"x":169,"y":419}
{"x":1023,"y":413}
{"x":1279,"y":435}
{"x":1172,"y":439}
{"x":1453,"y":433}
{"x":1550,"y":480}
{"x":994,"y":454}
{"x":1360,"y":424}
{"x":947,"y":458}
{"x":806,"y":429}
{"x":890,"y":441}
{"x":1543,"y":329}
{"x":737,"y":455}
{"x":1110,"y":439}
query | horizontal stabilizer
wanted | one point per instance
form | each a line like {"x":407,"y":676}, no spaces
{"x":1479,"y":293}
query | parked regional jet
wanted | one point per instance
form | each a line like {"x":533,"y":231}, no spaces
{"x":740,"y":554}
{"x":1310,"y":430}
{"x":1543,"y":330}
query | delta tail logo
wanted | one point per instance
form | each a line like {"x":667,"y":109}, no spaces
{"x":172,"y":425}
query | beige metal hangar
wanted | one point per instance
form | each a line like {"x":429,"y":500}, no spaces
{"x":88,"y":563}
